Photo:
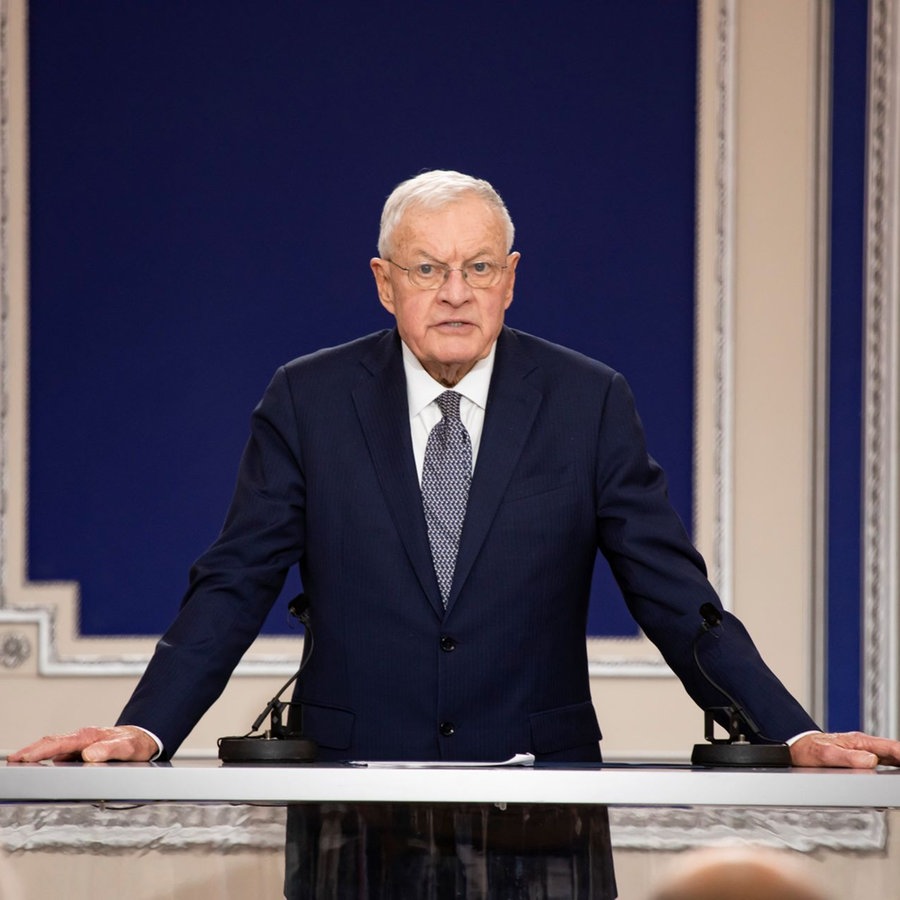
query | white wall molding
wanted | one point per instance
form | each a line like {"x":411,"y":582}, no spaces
{"x":108,"y":831}
{"x":715,"y":290}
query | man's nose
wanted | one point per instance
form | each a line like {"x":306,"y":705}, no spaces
{"x":455,"y":289}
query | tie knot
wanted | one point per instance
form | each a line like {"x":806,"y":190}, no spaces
{"x":449,"y":404}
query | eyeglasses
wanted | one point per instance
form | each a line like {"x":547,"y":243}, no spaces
{"x":431,"y":275}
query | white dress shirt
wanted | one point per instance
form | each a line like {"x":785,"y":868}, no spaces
{"x":422,"y":392}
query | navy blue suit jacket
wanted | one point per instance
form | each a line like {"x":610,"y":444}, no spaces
{"x":328,"y":481}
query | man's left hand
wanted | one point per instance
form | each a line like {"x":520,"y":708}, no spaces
{"x":847,"y":750}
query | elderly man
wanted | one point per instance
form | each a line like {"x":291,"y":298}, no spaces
{"x":444,"y":487}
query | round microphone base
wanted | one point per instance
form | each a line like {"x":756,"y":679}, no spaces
{"x":742,"y":755}
{"x":283,"y":751}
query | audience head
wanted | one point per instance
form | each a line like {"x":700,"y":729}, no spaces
{"x":738,"y":873}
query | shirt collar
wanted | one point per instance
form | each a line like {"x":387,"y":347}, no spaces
{"x":422,"y":389}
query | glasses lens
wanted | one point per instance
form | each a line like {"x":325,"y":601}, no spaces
{"x":482,"y":274}
{"x":427,"y":275}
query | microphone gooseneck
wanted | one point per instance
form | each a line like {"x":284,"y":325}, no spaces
{"x":279,"y":743}
{"x":736,"y":749}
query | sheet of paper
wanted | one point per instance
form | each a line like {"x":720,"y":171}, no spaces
{"x":520,"y":759}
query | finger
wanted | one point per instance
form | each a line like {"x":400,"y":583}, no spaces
{"x":36,"y":753}
{"x":104,"y":751}
{"x":833,"y":755}
{"x":133,"y":746}
{"x":57,"y":746}
{"x":66,"y":746}
{"x":849,"y":750}
{"x":887,"y":750}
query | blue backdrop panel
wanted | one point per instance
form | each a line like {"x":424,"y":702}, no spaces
{"x":206,"y":181}
{"x":848,"y":149}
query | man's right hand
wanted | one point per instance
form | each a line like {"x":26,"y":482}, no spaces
{"x":124,"y":743}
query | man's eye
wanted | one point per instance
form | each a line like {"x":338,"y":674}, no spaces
{"x":426,"y":270}
{"x":480,"y":268}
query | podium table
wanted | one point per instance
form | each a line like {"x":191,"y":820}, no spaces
{"x":194,"y":781}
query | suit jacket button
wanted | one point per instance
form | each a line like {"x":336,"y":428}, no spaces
{"x":447,"y":644}
{"x":447,"y":728}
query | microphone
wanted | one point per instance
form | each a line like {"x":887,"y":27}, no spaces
{"x":279,"y":744}
{"x":735,"y":750}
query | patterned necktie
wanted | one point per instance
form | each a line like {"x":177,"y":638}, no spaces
{"x":445,"y":487}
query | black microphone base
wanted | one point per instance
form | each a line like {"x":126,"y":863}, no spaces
{"x":284,"y":751}
{"x":742,"y":755}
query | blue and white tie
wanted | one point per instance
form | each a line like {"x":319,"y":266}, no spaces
{"x":446,"y":474}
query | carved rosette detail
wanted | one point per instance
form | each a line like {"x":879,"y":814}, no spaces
{"x":14,"y":650}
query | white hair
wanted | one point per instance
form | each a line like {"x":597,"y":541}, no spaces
{"x":433,"y":190}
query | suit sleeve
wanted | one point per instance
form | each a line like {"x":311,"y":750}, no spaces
{"x":234,"y":584}
{"x":663,"y":578}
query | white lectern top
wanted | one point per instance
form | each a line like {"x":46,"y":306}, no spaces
{"x":639,"y":785}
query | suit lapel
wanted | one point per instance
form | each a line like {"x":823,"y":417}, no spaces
{"x":512,"y":406}
{"x":383,"y":411}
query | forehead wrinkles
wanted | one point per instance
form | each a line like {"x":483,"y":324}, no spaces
{"x":465,"y":228}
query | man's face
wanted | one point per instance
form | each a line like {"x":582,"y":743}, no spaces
{"x":451,"y":328}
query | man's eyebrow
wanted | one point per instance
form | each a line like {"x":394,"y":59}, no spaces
{"x":484,"y":251}
{"x":478,"y":254}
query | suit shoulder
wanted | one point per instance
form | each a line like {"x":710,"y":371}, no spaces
{"x":325,"y":374}
{"x":329,"y":361}
{"x":561,"y":361}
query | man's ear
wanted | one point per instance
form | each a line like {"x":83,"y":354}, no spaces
{"x":381,"y":270}
{"x":513,"y":262}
